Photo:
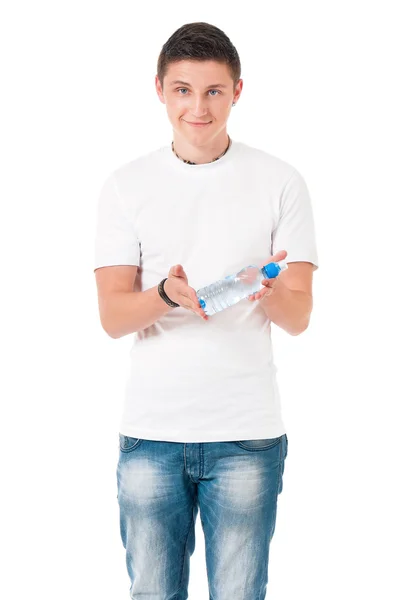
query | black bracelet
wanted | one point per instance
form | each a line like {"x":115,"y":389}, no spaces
{"x":164,"y":296}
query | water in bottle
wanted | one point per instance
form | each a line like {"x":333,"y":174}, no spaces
{"x":232,"y":289}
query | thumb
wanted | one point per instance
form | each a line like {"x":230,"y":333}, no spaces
{"x":178,"y":269}
{"x":281,"y":255}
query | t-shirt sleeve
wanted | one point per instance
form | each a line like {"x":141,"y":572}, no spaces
{"x":116,"y":241}
{"x":295,"y":229}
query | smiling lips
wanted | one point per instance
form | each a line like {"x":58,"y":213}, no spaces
{"x":198,"y":124}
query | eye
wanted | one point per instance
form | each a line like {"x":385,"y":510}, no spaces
{"x":179,"y":89}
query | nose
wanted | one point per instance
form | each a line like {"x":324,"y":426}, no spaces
{"x":199,"y":108}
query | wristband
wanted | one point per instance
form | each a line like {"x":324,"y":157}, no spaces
{"x":164,"y":296}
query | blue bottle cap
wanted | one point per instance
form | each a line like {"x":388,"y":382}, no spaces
{"x":202,"y":303}
{"x":271,"y":270}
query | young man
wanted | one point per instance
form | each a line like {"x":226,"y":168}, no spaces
{"x":201,"y":427}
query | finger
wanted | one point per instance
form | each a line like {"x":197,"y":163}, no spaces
{"x":199,"y":311}
{"x":281,"y":255}
{"x":196,"y":302}
{"x":178,"y":271}
{"x":196,"y":311}
{"x":271,"y":283}
{"x":266,"y":291}
{"x":194,"y":305}
{"x":278,"y":256}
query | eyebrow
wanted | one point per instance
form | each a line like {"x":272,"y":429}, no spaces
{"x":209,"y":86}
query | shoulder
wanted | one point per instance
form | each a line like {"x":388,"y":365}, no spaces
{"x":140,"y":165}
{"x":258,"y":158}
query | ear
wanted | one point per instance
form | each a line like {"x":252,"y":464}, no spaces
{"x":159,"y":90}
{"x":238,"y":90}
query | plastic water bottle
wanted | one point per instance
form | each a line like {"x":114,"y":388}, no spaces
{"x":232,"y":289}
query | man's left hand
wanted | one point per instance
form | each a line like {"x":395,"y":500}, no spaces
{"x":270,"y":285}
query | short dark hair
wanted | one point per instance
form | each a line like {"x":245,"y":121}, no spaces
{"x":199,"y":41}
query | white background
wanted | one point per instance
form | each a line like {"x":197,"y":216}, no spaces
{"x":79,"y":100}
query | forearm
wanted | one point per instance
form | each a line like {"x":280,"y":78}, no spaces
{"x":127,"y":312}
{"x":289,"y":309}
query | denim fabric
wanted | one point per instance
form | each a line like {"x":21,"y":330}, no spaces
{"x":162,"y":485}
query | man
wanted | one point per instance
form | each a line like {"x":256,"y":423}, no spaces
{"x":201,"y":426}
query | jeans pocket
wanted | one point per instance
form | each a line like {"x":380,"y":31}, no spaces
{"x":128,"y":443}
{"x":259,"y":444}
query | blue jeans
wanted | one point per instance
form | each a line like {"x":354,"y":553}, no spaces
{"x":235,"y":484}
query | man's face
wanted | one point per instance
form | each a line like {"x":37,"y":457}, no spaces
{"x":206,"y":96}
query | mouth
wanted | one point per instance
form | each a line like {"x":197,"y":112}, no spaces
{"x":198,"y":124}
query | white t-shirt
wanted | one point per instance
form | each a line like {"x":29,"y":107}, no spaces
{"x":192,"y":380}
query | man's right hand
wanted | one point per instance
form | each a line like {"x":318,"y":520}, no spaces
{"x":177,"y":288}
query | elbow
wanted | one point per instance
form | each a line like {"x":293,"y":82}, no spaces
{"x":113,"y":336}
{"x":305,"y":321}
{"x":296,"y":333}
{"x":108,"y":330}
{"x":301,"y":329}
{"x":110,"y":333}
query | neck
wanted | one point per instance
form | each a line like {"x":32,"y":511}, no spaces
{"x":201,"y":154}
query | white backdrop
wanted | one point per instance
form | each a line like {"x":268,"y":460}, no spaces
{"x":79,"y":100}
